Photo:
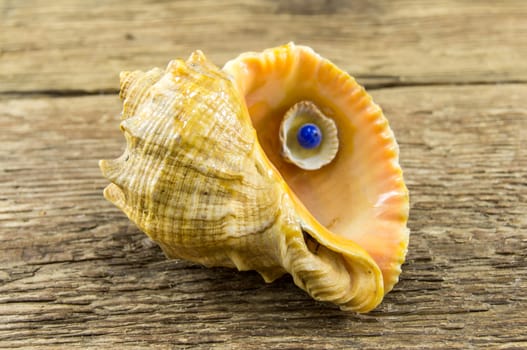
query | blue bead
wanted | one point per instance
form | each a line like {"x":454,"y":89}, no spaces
{"x":309,"y":136}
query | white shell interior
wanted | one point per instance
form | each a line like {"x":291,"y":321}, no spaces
{"x":308,"y":159}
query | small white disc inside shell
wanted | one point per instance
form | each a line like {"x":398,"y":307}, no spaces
{"x":307,"y":158}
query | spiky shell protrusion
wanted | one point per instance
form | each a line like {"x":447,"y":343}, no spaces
{"x":194,"y":178}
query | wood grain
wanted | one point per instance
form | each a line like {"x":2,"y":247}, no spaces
{"x":73,"y":46}
{"x":76,"y":274}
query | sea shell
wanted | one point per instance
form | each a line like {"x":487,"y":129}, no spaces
{"x":200,"y":175}
{"x":310,"y":154}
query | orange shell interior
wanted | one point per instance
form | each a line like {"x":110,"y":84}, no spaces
{"x":361,"y":194}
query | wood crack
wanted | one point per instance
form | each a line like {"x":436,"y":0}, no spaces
{"x":368,"y":86}
{"x":57,"y":93}
{"x":403,"y":84}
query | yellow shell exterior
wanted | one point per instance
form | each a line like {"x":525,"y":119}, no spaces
{"x":195,"y":178}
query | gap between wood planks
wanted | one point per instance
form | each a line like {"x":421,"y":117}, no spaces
{"x":368,"y":86}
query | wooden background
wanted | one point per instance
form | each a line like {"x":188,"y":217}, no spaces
{"x":451,"y":77}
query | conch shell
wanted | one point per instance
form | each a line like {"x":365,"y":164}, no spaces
{"x":203,"y":174}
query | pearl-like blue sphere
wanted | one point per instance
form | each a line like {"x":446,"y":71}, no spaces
{"x":309,"y":136}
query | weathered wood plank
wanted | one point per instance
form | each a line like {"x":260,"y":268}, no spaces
{"x":75,"y":273}
{"x":75,"y":46}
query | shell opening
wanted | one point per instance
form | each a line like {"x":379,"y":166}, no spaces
{"x":309,"y":138}
{"x":311,"y":244}
{"x":360,"y":195}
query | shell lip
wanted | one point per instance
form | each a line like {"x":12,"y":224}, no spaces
{"x":366,"y":287}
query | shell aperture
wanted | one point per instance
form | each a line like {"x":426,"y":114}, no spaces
{"x":202,"y":180}
{"x":359,"y":194}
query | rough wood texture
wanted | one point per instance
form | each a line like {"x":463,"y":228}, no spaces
{"x":75,"y":273}
{"x":70,"y":46}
